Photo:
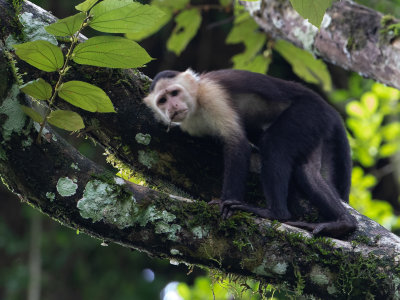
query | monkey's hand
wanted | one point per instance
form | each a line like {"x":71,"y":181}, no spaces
{"x":224,"y":207}
{"x":228,"y":207}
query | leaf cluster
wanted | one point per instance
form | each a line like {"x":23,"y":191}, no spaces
{"x":109,"y":16}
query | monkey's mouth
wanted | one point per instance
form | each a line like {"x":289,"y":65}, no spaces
{"x":179,"y":116}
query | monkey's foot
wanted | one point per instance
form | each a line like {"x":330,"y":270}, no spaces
{"x":332,"y":229}
{"x":228,"y":207}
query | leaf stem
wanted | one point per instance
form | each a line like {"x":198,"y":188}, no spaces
{"x":62,"y":72}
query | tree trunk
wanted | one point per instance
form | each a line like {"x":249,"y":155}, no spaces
{"x":351,"y":36}
{"x":55,"y":178}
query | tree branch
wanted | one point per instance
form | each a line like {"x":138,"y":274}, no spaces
{"x":351,"y":36}
{"x":58,"y":180}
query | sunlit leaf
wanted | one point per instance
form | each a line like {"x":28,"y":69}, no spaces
{"x":305,"y":65}
{"x":391,"y":131}
{"x":187,"y":24}
{"x":86,"y":96}
{"x":33,"y":114}
{"x":86,"y":5}
{"x":66,"y":119}
{"x":355,"y":109}
{"x":38,"y":89}
{"x":389,"y":149}
{"x":41,"y":54}
{"x":111,"y":52}
{"x":66,"y":27}
{"x":313,"y":10}
{"x":124,"y":16}
{"x":370,"y":102}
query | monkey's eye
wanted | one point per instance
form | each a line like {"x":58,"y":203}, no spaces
{"x":174,"y":93}
{"x":162,"y":100}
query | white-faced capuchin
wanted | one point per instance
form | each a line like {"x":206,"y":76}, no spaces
{"x":301,"y":140}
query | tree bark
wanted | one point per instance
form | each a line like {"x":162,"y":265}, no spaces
{"x":351,"y":36}
{"x":55,"y":178}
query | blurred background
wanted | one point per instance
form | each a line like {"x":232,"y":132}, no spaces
{"x":38,"y":253}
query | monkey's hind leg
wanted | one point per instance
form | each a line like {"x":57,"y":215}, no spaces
{"x":324,"y":195}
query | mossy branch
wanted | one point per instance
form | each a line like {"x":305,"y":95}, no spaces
{"x":70,"y":188}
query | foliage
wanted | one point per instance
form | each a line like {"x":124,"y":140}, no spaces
{"x":374,"y":132}
{"x":312,"y":10}
{"x":110,"y":16}
{"x":223,"y":288}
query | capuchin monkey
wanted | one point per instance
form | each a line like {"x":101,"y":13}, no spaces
{"x":301,"y":140}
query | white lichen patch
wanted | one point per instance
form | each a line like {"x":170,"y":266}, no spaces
{"x":332,"y":290}
{"x":51,"y":196}
{"x":143,"y":139}
{"x":280,"y":268}
{"x":262,"y":269}
{"x":161,"y":221}
{"x":175,"y":252}
{"x":75,"y":166}
{"x":119,"y":180}
{"x":319,"y":276}
{"x":15,"y":117}
{"x":66,"y":187}
{"x":306,"y":35}
{"x":26,"y":143}
{"x":147,"y":158}
{"x":100,"y":201}
{"x":200,"y":232}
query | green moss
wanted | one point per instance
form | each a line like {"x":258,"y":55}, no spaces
{"x":66,"y":187}
{"x":3,"y":154}
{"x":390,"y":28}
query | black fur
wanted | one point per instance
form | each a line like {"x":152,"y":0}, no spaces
{"x":304,"y":140}
{"x":163,"y":74}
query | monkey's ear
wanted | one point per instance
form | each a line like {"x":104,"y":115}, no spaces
{"x":189,"y":73}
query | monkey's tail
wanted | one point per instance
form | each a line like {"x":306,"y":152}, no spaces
{"x":342,"y":163}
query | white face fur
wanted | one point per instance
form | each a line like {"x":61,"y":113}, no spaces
{"x":174,"y":99}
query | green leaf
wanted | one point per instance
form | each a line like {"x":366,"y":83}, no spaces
{"x":33,"y":114}
{"x":66,"y":27}
{"x":86,"y":96}
{"x":313,"y":10}
{"x":370,"y":102}
{"x":124,"y":16}
{"x":175,"y":5}
{"x":66,"y":119}
{"x":41,"y":54}
{"x":305,"y":65}
{"x":38,"y":89}
{"x":111,"y":52}
{"x":355,"y":109}
{"x":85,"y":6}
{"x":225,"y":2}
{"x":187,"y":24}
{"x":389,"y":149}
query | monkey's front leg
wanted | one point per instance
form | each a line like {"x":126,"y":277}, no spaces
{"x":237,"y":152}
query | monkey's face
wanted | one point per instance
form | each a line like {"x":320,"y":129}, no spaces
{"x":170,"y":102}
